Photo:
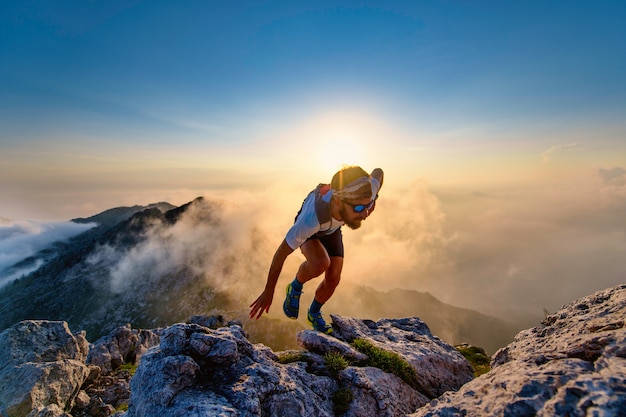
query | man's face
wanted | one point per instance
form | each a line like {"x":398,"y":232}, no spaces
{"x":350,"y":218}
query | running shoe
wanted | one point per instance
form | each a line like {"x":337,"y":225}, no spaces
{"x":317,"y":321}
{"x":291,"y":306}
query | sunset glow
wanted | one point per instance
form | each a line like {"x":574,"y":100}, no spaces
{"x":501,"y":128}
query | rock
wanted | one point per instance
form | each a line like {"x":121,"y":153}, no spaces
{"x":212,"y":322}
{"x":98,"y":408}
{"x":321,"y":343}
{"x":82,"y":400}
{"x":52,"y":410}
{"x":108,"y":385}
{"x":439,"y":366}
{"x":41,"y":366}
{"x":196,"y":370}
{"x":123,"y":345}
{"x":377,"y":393}
{"x":574,"y":364}
{"x":40,"y":341}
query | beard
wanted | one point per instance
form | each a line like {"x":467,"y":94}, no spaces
{"x":352,"y":224}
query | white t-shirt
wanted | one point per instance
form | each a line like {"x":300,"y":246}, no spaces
{"x":307,"y":224}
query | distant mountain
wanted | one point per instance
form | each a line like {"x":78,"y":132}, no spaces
{"x":453,"y":324}
{"x":114,"y":216}
{"x":159,"y":264}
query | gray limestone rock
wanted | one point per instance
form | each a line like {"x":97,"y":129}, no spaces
{"x":49,"y":411}
{"x":322,"y":343}
{"x":574,"y":364}
{"x":121,"y":346}
{"x":41,"y":366}
{"x":439,"y":366}
{"x":196,"y":368}
{"x":377,"y":393}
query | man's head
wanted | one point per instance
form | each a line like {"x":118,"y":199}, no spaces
{"x":352,"y":189}
{"x":352,"y":182}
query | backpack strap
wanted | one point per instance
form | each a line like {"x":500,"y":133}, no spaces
{"x":322,"y":208}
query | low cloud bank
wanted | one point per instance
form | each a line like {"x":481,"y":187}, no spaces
{"x":23,"y":238}
{"x":228,"y":241}
{"x":500,"y":251}
{"x":496,"y":250}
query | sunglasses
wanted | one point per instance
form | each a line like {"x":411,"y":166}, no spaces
{"x":360,"y":208}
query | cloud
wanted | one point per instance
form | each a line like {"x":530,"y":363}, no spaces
{"x":228,"y":241}
{"x":24,"y":238}
{"x":502,"y":251}
{"x":547,"y":155}
{"x":402,"y":242}
{"x":496,"y":250}
{"x":614,"y":176}
{"x":564,"y":241}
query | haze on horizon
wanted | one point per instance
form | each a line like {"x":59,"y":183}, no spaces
{"x":501,"y":128}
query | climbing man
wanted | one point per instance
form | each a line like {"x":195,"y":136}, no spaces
{"x":349,"y":199}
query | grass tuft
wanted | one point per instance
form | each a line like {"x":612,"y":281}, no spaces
{"x":335,"y":363}
{"x":130,"y":367}
{"x":387,"y":361}
{"x":291,"y":357}
{"x":341,"y":400}
{"x":122,"y":407}
{"x":476,"y":357}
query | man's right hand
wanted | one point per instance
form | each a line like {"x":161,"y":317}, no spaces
{"x":261,"y":304}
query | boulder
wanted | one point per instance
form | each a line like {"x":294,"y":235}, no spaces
{"x":196,"y":370}
{"x":41,"y":368}
{"x":573,"y":364}
{"x":321,"y":343}
{"x":439,"y":366}
{"x":123,"y":345}
{"x":49,"y":411}
{"x":377,"y":393}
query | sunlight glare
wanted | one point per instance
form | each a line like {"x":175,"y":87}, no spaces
{"x":342,"y":139}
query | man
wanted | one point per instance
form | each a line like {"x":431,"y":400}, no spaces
{"x":349,"y":199}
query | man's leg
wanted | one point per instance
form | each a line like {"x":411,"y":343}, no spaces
{"x":323,"y":293}
{"x":331,"y":280}
{"x":317,"y":261}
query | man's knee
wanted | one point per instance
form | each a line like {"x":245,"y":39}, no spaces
{"x":319,"y":266}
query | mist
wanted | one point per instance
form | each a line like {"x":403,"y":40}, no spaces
{"x":21,"y":239}
{"x":504,"y":251}
{"x":227,"y":241}
{"x":501,"y":250}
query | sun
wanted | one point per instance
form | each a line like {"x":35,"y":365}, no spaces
{"x":340,"y":140}
{"x":341,"y":150}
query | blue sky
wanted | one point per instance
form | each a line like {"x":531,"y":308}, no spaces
{"x":150,"y":72}
{"x":501,"y":126}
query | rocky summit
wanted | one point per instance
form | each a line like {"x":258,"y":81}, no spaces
{"x":573,"y":364}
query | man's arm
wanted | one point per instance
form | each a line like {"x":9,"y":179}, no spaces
{"x":264,"y":301}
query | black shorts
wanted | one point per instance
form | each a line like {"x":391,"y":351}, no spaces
{"x":333,"y":243}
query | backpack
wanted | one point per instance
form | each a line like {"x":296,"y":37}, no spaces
{"x":322,"y":208}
